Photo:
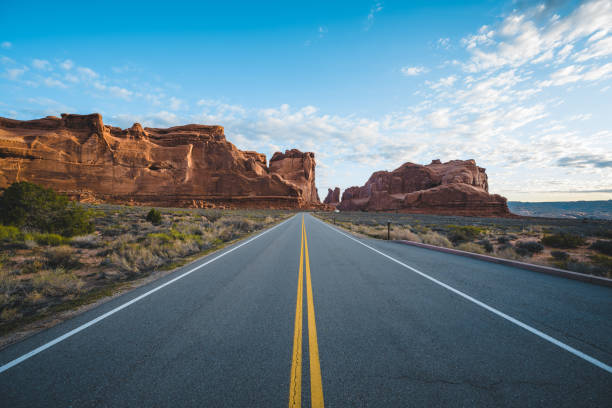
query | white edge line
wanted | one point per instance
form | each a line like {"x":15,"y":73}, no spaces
{"x":491,"y":309}
{"x":123,"y":306}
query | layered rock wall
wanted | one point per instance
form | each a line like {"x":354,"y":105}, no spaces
{"x":191,"y":165}
{"x":457,"y":187}
{"x":333,"y":196}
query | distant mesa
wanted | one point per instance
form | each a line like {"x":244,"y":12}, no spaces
{"x":457,"y":187}
{"x":333,"y":197}
{"x":183,"y":166}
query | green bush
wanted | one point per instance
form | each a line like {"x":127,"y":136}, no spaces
{"x":27,"y":205}
{"x":61,"y":257}
{"x":10,"y":234}
{"x":528,"y":248}
{"x":49,"y":239}
{"x":486,"y":244}
{"x":563,"y":240}
{"x":154,"y":217}
{"x":464,"y":233}
{"x":471,"y":247}
{"x":560,"y":255}
{"x":605,"y":247}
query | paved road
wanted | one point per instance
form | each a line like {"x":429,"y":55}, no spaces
{"x":379,"y":324}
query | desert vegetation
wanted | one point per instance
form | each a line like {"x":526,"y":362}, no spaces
{"x":56,"y":254}
{"x":583,"y":246}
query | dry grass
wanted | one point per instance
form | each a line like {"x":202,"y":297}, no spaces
{"x":471,"y":247}
{"x":41,"y":273}
{"x":433,"y":238}
{"x":405,"y":234}
{"x":525,"y":239}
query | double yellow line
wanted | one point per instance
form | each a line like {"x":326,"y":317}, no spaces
{"x":316,"y":386}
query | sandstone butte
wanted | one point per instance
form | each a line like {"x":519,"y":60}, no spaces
{"x":182,"y":166}
{"x":333,"y":197}
{"x":457,"y":187}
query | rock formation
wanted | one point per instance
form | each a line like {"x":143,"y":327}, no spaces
{"x":191,"y":165}
{"x":333,"y":196}
{"x":297,"y":168}
{"x":457,"y":187}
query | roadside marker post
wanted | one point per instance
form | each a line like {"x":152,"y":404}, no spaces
{"x":389,"y":230}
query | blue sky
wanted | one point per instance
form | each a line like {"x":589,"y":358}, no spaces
{"x":523,"y":87}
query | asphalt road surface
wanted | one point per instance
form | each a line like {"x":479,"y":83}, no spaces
{"x":304,"y":314}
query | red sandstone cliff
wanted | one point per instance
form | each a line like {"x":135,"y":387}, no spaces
{"x":457,"y":187}
{"x":333,"y":196}
{"x":297,"y":168}
{"x":191,"y":165}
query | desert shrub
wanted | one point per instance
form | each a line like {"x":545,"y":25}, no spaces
{"x":27,"y":205}
{"x":464,"y":233}
{"x":9,"y":285}
{"x":49,"y":239}
{"x":603,"y":233}
{"x":560,"y":255}
{"x":240,"y":224}
{"x":161,"y":237}
{"x":563,"y":240}
{"x":154,"y":217}
{"x":10,"y":234}
{"x":57,"y":282}
{"x":61,"y":257}
{"x":604,"y":262}
{"x":605,"y":247}
{"x":86,"y":241}
{"x":433,"y":238}
{"x":10,"y":314}
{"x":504,"y":239}
{"x":528,"y":248}
{"x":507,"y":252}
{"x":373,"y":232}
{"x":486,"y":244}
{"x":471,"y":247}
{"x":135,"y":258}
{"x":590,"y":269}
{"x":32,"y":265}
{"x":405,"y":234}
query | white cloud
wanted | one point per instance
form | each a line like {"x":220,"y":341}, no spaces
{"x":413,"y":71}
{"x":322,"y":31}
{"x":440,"y":118}
{"x":114,"y":90}
{"x":67,"y":65}
{"x":155,"y":119}
{"x":484,"y":37}
{"x":520,"y":41}
{"x":53,"y":82}
{"x":6,"y":45}
{"x":41,"y":64}
{"x":444,"y":82}
{"x":575,"y":73}
{"x":120,"y":92}
{"x":177,"y":104}
{"x":375,"y":9}
{"x":14,"y":73}
{"x":601,"y":48}
{"x":87,"y":73}
{"x":443,"y":43}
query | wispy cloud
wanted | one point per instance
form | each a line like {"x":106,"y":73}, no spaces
{"x":6,"y":45}
{"x":41,"y":64}
{"x":67,"y":64}
{"x":413,"y":71}
{"x":374,"y":10}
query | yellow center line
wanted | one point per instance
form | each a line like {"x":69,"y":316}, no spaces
{"x":316,"y":386}
{"x":295,"y":390}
